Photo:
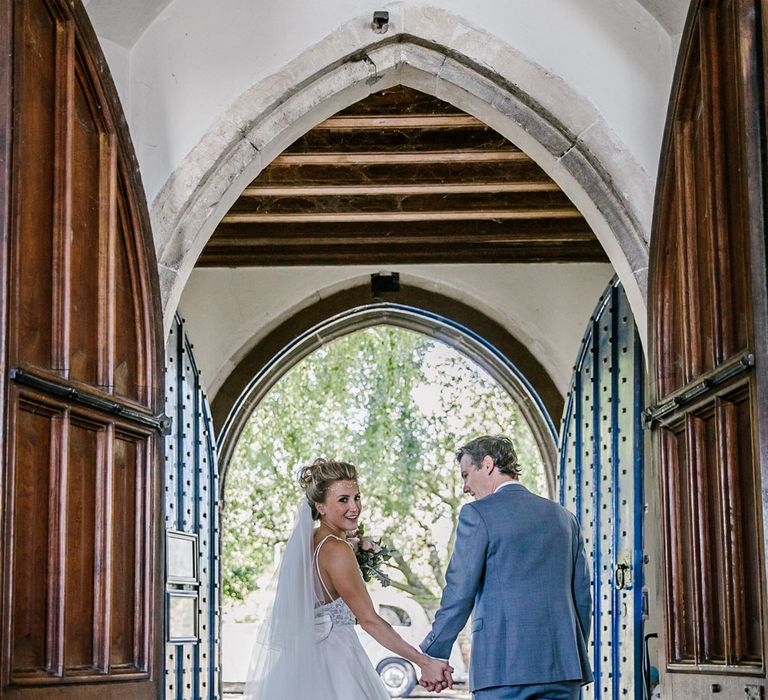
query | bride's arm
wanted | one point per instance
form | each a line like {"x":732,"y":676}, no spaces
{"x":341,"y":567}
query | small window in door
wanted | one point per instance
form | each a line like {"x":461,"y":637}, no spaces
{"x":395,"y":616}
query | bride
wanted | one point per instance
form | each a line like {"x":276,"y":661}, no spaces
{"x":307,"y":646}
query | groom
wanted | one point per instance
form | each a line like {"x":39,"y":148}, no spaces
{"x":519,"y":568}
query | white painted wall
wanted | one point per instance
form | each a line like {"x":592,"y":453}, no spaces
{"x":545,"y":306}
{"x":196,"y":57}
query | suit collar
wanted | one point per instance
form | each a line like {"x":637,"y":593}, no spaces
{"x":509,"y":484}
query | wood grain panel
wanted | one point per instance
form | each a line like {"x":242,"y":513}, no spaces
{"x":88,"y":254}
{"x":85,"y":469}
{"x":701,"y":312}
{"x":713,"y":576}
{"x":745,"y":525}
{"x":127,"y":566}
{"x":710,"y":225}
{"x":129,"y":329}
{"x":36,"y":81}
{"x":669,"y":348}
{"x":713,"y":548}
{"x":35,"y":455}
{"x":735,"y":36}
{"x":678,"y":554}
{"x":82,"y":603}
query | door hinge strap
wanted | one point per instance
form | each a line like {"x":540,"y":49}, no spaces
{"x":688,"y":394}
{"x":161,"y":423}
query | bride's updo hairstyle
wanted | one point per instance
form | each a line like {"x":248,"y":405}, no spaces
{"x":318,"y":476}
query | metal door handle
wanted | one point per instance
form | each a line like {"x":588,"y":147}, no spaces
{"x":647,"y":666}
{"x":620,"y":578}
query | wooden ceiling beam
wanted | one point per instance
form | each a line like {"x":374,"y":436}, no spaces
{"x":229,"y":243}
{"x":410,"y":121}
{"x":401,"y":177}
{"x":386,"y":158}
{"x":402,"y":255}
{"x":290,"y":174}
{"x":381,"y":230}
{"x":371,"y":216}
{"x":411,"y":204}
{"x":393,"y":140}
{"x":399,"y":100}
{"x":398,"y":189}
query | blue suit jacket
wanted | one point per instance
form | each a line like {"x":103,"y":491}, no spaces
{"x":519,"y":568}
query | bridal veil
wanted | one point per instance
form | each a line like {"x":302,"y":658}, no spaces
{"x":284,"y":662}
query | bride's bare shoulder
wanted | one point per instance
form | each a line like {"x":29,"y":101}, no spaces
{"x":335,"y":551}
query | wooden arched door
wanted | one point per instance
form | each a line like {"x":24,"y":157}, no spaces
{"x":81,"y":381}
{"x":708,"y":337}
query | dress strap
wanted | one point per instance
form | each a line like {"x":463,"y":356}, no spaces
{"x":316,"y":557}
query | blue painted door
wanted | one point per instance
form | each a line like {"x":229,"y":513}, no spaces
{"x":601,"y":479}
{"x":192,"y":658}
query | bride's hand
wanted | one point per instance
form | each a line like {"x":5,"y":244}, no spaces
{"x":435,"y":674}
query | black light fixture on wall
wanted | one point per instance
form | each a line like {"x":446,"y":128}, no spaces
{"x":380,"y":22}
{"x":382,"y":282}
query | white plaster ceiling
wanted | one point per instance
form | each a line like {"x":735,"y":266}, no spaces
{"x":668,"y":13}
{"x":123,"y":21}
{"x":544,"y":306}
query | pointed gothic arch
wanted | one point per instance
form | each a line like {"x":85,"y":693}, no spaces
{"x":470,"y":69}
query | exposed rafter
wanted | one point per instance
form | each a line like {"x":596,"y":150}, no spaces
{"x":401,"y":177}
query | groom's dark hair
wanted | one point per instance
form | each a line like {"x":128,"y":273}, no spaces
{"x":498,"y":447}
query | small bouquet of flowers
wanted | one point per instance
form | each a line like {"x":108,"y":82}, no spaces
{"x":370,"y":555}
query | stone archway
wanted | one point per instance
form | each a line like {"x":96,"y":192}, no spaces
{"x":333,"y":303}
{"x":263,"y":367}
{"x":439,"y":54}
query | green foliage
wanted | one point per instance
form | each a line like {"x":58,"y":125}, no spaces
{"x":396,"y":404}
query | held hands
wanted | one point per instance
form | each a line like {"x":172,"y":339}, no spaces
{"x":435,"y":674}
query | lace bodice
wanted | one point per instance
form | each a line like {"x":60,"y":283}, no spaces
{"x":338,"y":611}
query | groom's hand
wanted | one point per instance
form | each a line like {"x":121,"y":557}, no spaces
{"x":436,"y":676}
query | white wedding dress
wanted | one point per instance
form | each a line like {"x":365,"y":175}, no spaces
{"x":340,"y":655}
{"x":307,"y":648}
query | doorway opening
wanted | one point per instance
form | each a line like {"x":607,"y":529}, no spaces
{"x":395,"y":391}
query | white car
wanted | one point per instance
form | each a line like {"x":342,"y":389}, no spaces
{"x":411,"y":621}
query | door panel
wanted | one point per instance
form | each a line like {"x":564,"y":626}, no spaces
{"x":703,"y":343}
{"x":129,"y":361}
{"x":193,"y":666}
{"x":601,"y":477}
{"x":81,"y":343}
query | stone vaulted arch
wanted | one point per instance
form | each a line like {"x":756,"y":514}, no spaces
{"x":439,"y":54}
